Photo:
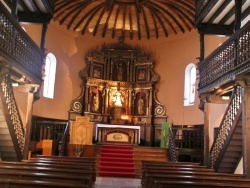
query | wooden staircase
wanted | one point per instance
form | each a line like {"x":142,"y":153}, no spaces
{"x":7,"y":150}
{"x":233,"y":153}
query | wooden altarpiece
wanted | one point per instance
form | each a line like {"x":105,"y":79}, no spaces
{"x":119,"y":88}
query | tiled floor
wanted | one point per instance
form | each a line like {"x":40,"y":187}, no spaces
{"x":113,"y":182}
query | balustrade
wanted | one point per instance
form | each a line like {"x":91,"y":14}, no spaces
{"x":9,"y":103}
{"x":47,"y":130}
{"x":227,"y":61}
{"x":18,"y":48}
{"x":226,"y":124}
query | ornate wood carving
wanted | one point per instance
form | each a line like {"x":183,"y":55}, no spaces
{"x":118,"y":80}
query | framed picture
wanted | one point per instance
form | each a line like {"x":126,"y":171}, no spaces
{"x":97,"y":71}
{"x":141,"y":74}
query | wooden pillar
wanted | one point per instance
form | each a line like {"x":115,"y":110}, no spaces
{"x":14,"y":8}
{"x":246,"y":131}
{"x":237,"y":22}
{"x":44,"y":30}
{"x":202,"y":46}
{"x":206,"y":133}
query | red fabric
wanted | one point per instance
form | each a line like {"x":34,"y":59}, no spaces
{"x":117,"y":161}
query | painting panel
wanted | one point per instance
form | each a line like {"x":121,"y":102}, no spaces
{"x":97,"y":71}
{"x":141,"y":74}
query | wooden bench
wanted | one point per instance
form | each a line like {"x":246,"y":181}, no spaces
{"x":195,"y":184}
{"x":59,"y":164}
{"x":173,"y":170}
{"x":156,"y":164}
{"x":76,"y":159}
{"x":199,"y":176}
{"x":18,"y":183}
{"x":55,"y":177}
{"x":61,"y":173}
{"x":63,"y":157}
{"x":159,"y":175}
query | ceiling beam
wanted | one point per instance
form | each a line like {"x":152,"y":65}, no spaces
{"x":33,"y":18}
{"x":215,"y":29}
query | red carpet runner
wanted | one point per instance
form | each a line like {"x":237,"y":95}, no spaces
{"x":117,"y":161}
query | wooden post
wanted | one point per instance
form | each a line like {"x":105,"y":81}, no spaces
{"x":44,"y":30}
{"x":206,"y":133}
{"x":246,"y":131}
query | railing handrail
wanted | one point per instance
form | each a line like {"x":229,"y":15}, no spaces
{"x":65,"y":132}
{"x":232,"y":102}
{"x":172,"y":146}
{"x":232,"y":59}
{"x":12,"y":116}
{"x":18,"y":48}
{"x":63,"y":141}
{"x":224,"y":44}
{"x":230,"y":134}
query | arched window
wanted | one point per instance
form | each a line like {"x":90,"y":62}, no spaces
{"x":49,"y":76}
{"x":189,"y":89}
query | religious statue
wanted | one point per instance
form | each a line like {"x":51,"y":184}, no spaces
{"x":118,"y":99}
{"x":97,"y":73}
{"x":140,"y":106}
{"x":95,"y":103}
{"x":141,"y":75}
{"x":119,"y":72}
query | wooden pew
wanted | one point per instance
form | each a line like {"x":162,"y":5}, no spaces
{"x":18,"y":183}
{"x":195,"y":184}
{"x":52,"y":177}
{"x":171,"y":164}
{"x":159,"y":174}
{"x":146,"y":173}
{"x":199,"y":176}
{"x":59,"y":164}
{"x":63,"y":157}
{"x":51,"y":170}
{"x":67,"y":159}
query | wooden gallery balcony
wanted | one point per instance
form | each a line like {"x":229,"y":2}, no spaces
{"x":17,"y":50}
{"x":227,"y":64}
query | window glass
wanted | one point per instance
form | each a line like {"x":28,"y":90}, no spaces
{"x":189,"y":89}
{"x":49,"y":76}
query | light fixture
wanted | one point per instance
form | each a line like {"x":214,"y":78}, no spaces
{"x":225,"y":97}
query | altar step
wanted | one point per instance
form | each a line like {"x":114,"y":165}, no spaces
{"x":116,"y":161}
{"x":125,"y":161}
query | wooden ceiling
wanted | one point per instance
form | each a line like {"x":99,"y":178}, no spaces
{"x":221,"y":16}
{"x":135,"y":18}
{"x":32,"y":11}
{"x":126,"y":18}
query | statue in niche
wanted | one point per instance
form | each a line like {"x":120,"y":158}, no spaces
{"x":95,"y":103}
{"x":140,"y":106}
{"x":97,"y":73}
{"x":118,"y":99}
{"x":119,"y":72}
{"x":141,"y":75}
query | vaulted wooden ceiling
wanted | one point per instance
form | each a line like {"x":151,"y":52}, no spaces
{"x":126,"y":18}
{"x":221,"y":16}
{"x":135,"y":18}
{"x":33,"y":11}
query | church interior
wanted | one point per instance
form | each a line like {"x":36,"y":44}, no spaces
{"x":156,"y":91}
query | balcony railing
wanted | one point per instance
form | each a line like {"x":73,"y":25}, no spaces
{"x":228,"y":123}
{"x":18,"y":49}
{"x":12,"y":115}
{"x":227,"y":61}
